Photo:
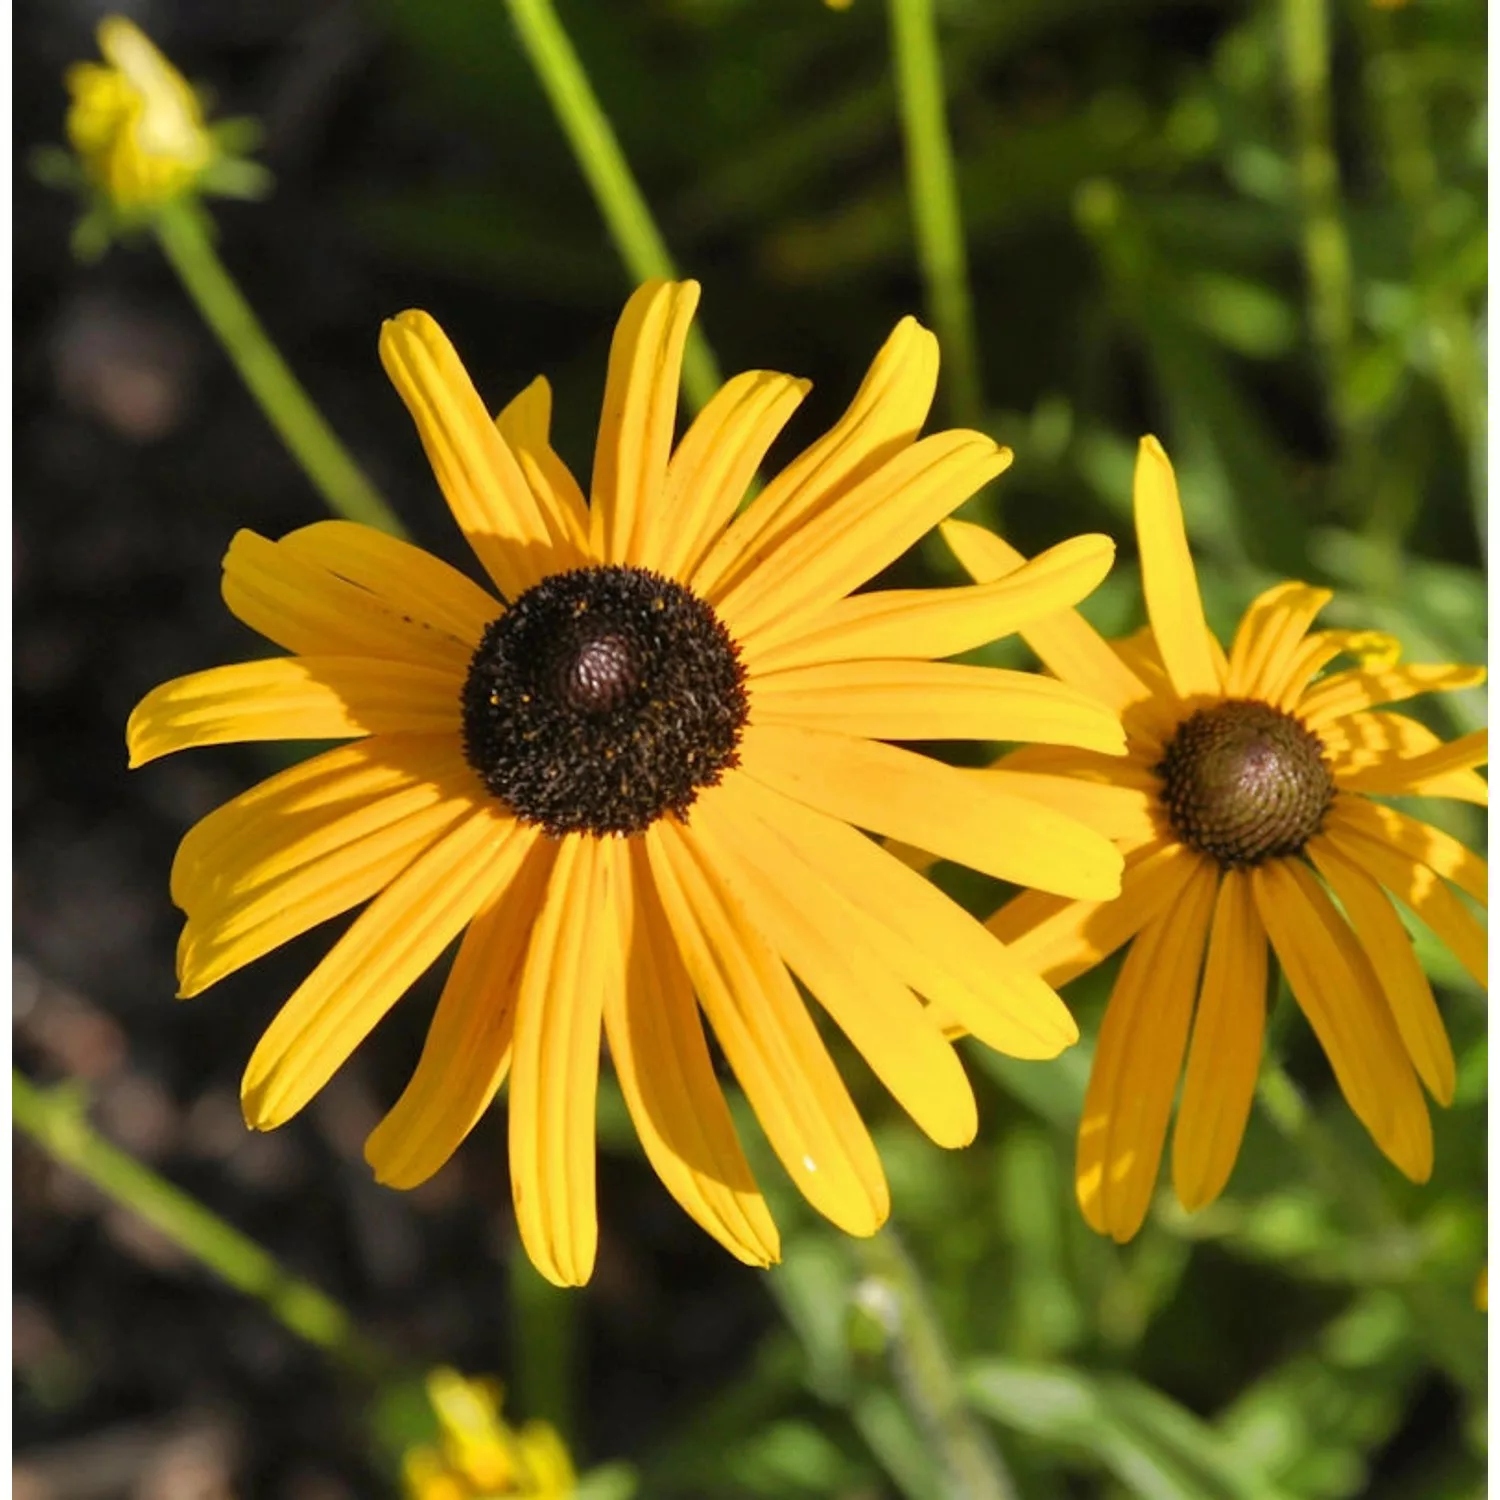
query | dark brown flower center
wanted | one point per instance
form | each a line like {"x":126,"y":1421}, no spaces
{"x":1245,"y":782}
{"x":602,"y":699}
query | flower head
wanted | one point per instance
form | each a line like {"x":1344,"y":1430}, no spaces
{"x":478,"y":1456}
{"x":1244,"y":808}
{"x":635,"y":774}
{"x":135,"y":122}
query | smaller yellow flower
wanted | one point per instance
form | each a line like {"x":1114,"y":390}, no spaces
{"x":479,"y":1457}
{"x":135,"y":122}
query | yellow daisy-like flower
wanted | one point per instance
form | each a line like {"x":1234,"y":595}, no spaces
{"x":637,"y":781}
{"x":135,"y":122}
{"x":1244,"y":810}
{"x":478,"y":1455}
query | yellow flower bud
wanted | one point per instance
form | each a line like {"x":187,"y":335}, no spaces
{"x":135,"y":122}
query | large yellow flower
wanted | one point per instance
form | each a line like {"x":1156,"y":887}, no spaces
{"x":1244,"y":812}
{"x":639,"y":781}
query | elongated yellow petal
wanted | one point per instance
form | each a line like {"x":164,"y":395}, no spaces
{"x":575,"y":947}
{"x":1419,"y":887}
{"x":526,"y":425}
{"x":1137,"y":1063}
{"x":293,"y":698}
{"x":504,"y":521}
{"x":404,"y":577}
{"x":468,"y":1048}
{"x":1218,"y":1087}
{"x":1269,"y":634}
{"x":667,"y":1076}
{"x":923,"y":700}
{"x":1169,"y":579}
{"x":930,"y":942}
{"x":930,"y":623}
{"x":1436,"y":769}
{"x":1068,"y":645}
{"x":1339,"y":993}
{"x":302,"y":607}
{"x":1062,"y":939}
{"x":638,"y":419}
{"x":885,"y":416}
{"x":1128,"y":815}
{"x":715,"y":462}
{"x":1348,"y":692}
{"x":808,"y":922}
{"x":768,"y":1037}
{"x":391,"y":942}
{"x":850,"y":541}
{"x":1422,"y":842}
{"x":1394,"y":960}
{"x":974,"y":821}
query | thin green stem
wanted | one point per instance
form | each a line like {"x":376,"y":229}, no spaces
{"x":925,"y":1373}
{"x":183,"y":232}
{"x":934,"y":201}
{"x":597,"y":149}
{"x":54,"y":1118}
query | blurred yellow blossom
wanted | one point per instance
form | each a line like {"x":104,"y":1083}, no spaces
{"x":477,"y":1456}
{"x":135,"y":122}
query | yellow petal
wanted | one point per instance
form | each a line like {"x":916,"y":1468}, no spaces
{"x":968,"y":819}
{"x":768,"y":1037}
{"x":468,"y":1048}
{"x":927,"y":940}
{"x":1129,"y":815}
{"x":638,"y":420}
{"x":1137,"y":1063}
{"x":405,"y":577}
{"x":930,"y":623}
{"x":715,"y":462}
{"x":526,"y":426}
{"x":885,"y":416}
{"x":1348,"y":692}
{"x":667,"y":1076}
{"x":302,"y":607}
{"x":1389,"y":949}
{"x":1341,"y":997}
{"x":1168,"y":577}
{"x":505,"y":523}
{"x":924,"y":700}
{"x":1218,"y":1087}
{"x":1070,"y":648}
{"x":1419,"y":887}
{"x":391,"y":942}
{"x":575,"y":947}
{"x":1062,"y":939}
{"x":851,"y":540}
{"x":293,"y":698}
{"x":1422,"y":842}
{"x":808,"y":922}
{"x":1269,"y":634}
{"x":1411,"y":762}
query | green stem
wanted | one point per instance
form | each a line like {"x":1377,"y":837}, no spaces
{"x":934,"y":200}
{"x":597,"y":149}
{"x":54,"y":1118}
{"x":545,"y":1324}
{"x":926,"y":1376}
{"x":183,"y":231}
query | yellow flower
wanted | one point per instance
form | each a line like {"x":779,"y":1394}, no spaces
{"x":1244,"y":801}
{"x":479,"y":1457}
{"x":638,"y":781}
{"x":135,"y":122}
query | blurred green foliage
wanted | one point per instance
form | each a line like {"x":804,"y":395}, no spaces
{"x":1258,"y":230}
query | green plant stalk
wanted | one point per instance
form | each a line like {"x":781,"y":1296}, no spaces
{"x":182,"y":230}
{"x":545,"y":1327}
{"x":1325,"y":242}
{"x":597,"y":149}
{"x":936,"y":216}
{"x":926,"y":1376}
{"x":1451,"y":1331}
{"x":54,"y":1118}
